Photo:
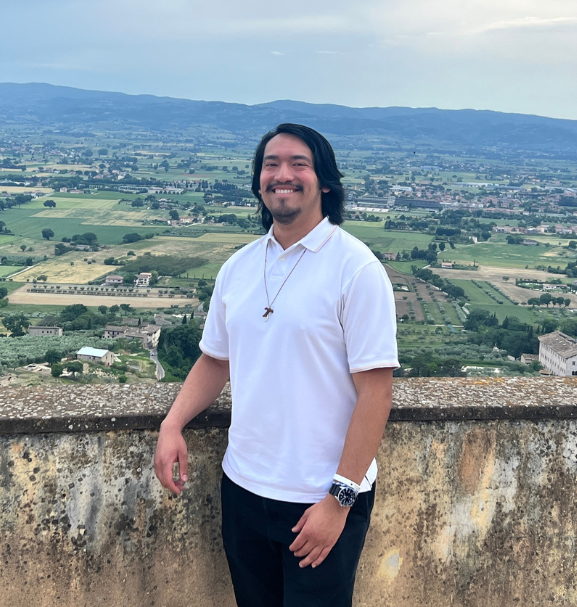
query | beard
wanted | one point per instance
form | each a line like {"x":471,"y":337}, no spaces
{"x":285,"y":215}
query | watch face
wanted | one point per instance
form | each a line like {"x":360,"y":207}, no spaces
{"x":347,"y":496}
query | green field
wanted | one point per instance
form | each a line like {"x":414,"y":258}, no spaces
{"x":474,"y":293}
{"x":386,"y":240}
{"x":7,"y":270}
{"x":524,"y":314}
{"x":501,"y":254}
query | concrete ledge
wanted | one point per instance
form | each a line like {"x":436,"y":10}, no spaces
{"x":86,"y":408}
{"x":475,"y":499}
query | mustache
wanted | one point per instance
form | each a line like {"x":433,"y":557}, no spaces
{"x":270,"y":188}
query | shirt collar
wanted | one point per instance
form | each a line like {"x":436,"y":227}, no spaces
{"x":314,"y":240}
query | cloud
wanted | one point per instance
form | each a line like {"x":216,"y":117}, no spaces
{"x":530,"y":23}
{"x":278,"y":53}
{"x":327,"y":52}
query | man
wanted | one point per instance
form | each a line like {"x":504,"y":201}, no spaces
{"x":303,"y":323}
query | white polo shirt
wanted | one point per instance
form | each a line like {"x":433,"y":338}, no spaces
{"x":292,"y":390}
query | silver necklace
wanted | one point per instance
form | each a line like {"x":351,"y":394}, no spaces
{"x":268,"y":309}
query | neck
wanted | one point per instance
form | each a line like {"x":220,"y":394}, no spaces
{"x":287,"y":234}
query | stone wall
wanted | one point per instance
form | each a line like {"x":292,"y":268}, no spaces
{"x":475,"y":499}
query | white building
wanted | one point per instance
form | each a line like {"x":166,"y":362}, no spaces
{"x":95,"y":355}
{"x":558,"y":353}
{"x":113,"y":279}
{"x":143,"y":279}
{"x":44,"y":331}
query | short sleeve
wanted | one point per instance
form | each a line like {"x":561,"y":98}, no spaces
{"x":214,"y":340}
{"x":369,"y":320}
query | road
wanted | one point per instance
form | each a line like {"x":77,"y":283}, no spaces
{"x":159,"y":370}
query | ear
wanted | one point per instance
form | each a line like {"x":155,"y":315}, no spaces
{"x":325,"y":190}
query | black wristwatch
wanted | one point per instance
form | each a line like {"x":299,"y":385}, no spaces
{"x":345,"y":495}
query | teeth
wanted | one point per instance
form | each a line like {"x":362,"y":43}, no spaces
{"x":284,"y":191}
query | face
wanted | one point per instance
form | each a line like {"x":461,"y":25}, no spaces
{"x":289,"y":185}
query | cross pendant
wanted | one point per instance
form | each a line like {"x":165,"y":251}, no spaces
{"x":266,"y":313}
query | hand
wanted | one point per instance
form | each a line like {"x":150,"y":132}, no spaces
{"x":318,"y":530}
{"x":171,"y":448}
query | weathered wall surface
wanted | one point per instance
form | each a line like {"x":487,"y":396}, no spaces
{"x":470,"y":512}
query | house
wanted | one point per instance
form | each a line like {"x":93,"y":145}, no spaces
{"x":143,"y":279}
{"x":558,"y":353}
{"x":527,"y":359}
{"x":111,"y":331}
{"x":95,"y":355}
{"x":389,"y":256}
{"x":448,"y":265}
{"x":529,"y":242}
{"x":44,"y":331}
{"x":148,"y":335}
{"x":113,"y":279}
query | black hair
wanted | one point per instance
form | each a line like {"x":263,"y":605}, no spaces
{"x":325,"y":166}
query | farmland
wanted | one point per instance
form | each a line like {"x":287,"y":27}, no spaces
{"x":192,"y":200}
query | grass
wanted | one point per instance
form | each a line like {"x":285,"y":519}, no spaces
{"x":405,"y":266}
{"x":7,"y":270}
{"x":524,"y":314}
{"x":474,"y":293}
{"x":500,"y":254}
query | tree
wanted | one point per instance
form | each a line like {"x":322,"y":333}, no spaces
{"x":50,"y":204}
{"x":23,"y":247}
{"x":53,"y":357}
{"x":47,"y":233}
{"x":17,"y":324}
{"x":545,"y":299}
{"x":534,"y":301}
{"x":122,"y":379}
{"x":103,"y":152}
{"x":567,"y":302}
{"x":184,"y":320}
{"x":102,"y":309}
{"x":572,"y":244}
{"x":60,"y":249}
{"x":29,"y":261}
{"x":174,"y":215}
{"x":42,"y":277}
{"x":3,"y":292}
{"x":56,"y":370}
{"x":441,"y":246}
{"x":125,"y":307}
{"x":75,"y":367}
{"x":133,"y":237}
{"x":114,"y":309}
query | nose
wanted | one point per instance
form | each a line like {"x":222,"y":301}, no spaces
{"x":284,"y":172}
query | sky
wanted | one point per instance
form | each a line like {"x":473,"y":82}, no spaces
{"x":506,"y":55}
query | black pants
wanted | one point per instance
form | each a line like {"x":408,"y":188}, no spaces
{"x":265,"y":573}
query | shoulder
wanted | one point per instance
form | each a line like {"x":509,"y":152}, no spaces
{"x":244,"y":257}
{"x":353,"y":254}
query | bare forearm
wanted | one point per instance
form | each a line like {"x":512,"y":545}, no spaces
{"x":200,"y":389}
{"x":367,"y":424}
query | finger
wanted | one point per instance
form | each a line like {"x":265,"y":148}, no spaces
{"x":183,"y":465}
{"x":322,"y":556}
{"x":305,"y":550}
{"x":299,"y":542}
{"x":167,"y":479}
{"x":311,"y":558}
{"x":303,"y":519}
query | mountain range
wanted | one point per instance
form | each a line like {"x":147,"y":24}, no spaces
{"x":49,"y":106}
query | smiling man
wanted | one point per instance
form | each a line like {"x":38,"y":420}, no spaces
{"x":303,"y":323}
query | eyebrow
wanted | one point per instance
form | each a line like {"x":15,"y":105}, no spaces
{"x":296,"y":157}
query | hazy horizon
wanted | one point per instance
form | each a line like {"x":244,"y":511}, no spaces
{"x":516,"y":57}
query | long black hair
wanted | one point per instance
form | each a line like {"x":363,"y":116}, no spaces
{"x":325,"y":165}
